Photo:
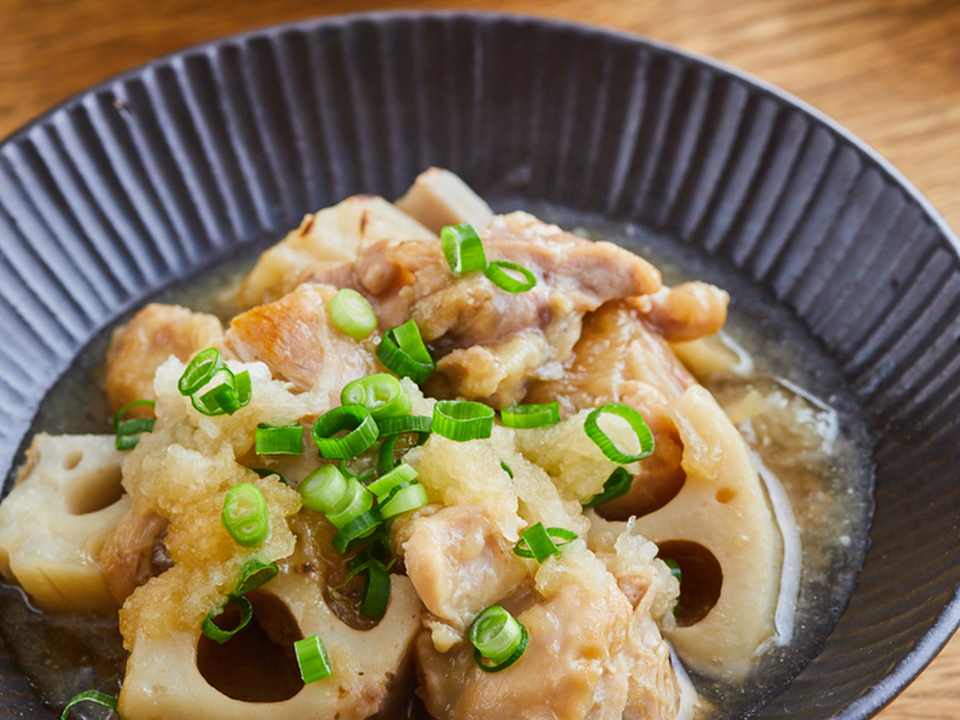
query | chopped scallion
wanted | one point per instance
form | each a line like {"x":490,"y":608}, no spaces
{"x":353,"y":503}
{"x":498,"y":638}
{"x":361,"y":430}
{"x":94,"y":696}
{"x":255,"y":573}
{"x":403,"y":352}
{"x":351,"y":313}
{"x":462,"y":419}
{"x":279,"y":439}
{"x":200,"y":370}
{"x":312,"y":659}
{"x":218,"y":634}
{"x":531,"y":416}
{"x":381,"y":394}
{"x":674,"y":568}
{"x":405,"y":424}
{"x":387,"y":483}
{"x":539,"y":543}
{"x":226,"y":397}
{"x":606,"y":445}
{"x":245,"y":515}
{"x":463,"y":248}
{"x":505,"y":274}
{"x":360,"y":527}
{"x":616,"y":485}
{"x":376,"y":594}
{"x":404,"y":498}
{"x":128,"y":432}
{"x":323,"y":489}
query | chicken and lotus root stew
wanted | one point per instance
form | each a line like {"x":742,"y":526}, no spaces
{"x":441,"y":463}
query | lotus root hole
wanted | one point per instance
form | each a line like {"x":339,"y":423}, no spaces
{"x":725,"y":495}
{"x":73,"y":459}
{"x":258,"y":664}
{"x":95,"y":490}
{"x":701,"y":579}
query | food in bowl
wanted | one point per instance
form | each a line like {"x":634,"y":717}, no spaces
{"x":439,"y":451}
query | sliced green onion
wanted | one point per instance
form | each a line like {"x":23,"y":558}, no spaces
{"x":678,"y":574}
{"x":255,"y":573}
{"x":361,"y":430}
{"x":376,"y":594}
{"x":538,"y":543}
{"x":312,"y":659}
{"x":231,"y":394}
{"x":606,"y":445}
{"x":245,"y":515}
{"x":381,"y":394}
{"x":403,"y":352}
{"x":227,"y":397}
{"x":94,"y":696}
{"x":128,"y":432}
{"x":323,"y":489}
{"x":404,"y":498}
{"x":351,"y":313}
{"x":386,"y":484}
{"x":616,"y":485}
{"x":354,"y":502}
{"x":531,"y":416}
{"x":405,"y":424}
{"x":498,"y":637}
{"x":386,"y":459}
{"x":506,"y":469}
{"x":463,"y":248}
{"x":200,"y":371}
{"x":360,"y":527}
{"x":390,"y":431}
{"x":674,"y":568}
{"x":377,"y":550}
{"x":218,"y":634}
{"x":279,"y":439}
{"x":363,"y":477}
{"x":462,"y":420}
{"x":503,"y":274}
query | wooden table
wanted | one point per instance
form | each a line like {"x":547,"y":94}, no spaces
{"x":887,"y":69}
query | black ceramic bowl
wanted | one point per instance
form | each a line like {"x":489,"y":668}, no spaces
{"x":146,"y":180}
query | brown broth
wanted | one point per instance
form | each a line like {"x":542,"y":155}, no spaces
{"x":828,"y":486}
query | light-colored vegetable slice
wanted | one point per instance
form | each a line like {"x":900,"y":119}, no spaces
{"x":67,"y":499}
{"x":332,"y":236}
{"x":439,"y":197}
{"x":723,"y":507}
{"x":163,"y":680}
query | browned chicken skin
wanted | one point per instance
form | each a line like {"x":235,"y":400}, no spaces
{"x":154,"y":334}
{"x":489,"y":342}
{"x":295,"y":338}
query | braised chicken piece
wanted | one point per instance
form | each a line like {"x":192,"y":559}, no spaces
{"x":490,"y":342}
{"x":133,"y":553}
{"x":295,"y":338}
{"x":688,"y":311}
{"x":589,"y":653}
{"x":460,"y":563}
{"x":620,"y":359}
{"x":141,"y":346}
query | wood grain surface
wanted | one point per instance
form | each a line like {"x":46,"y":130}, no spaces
{"x":889,"y":70}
